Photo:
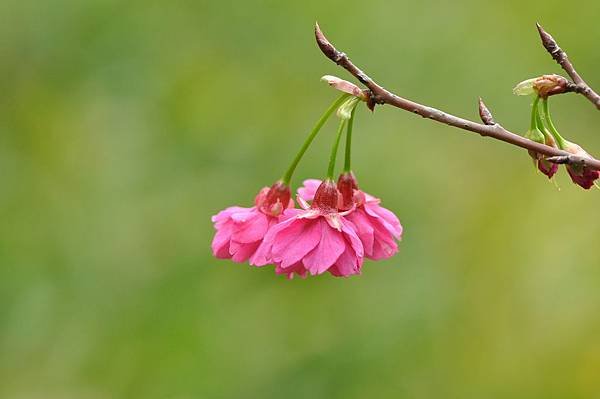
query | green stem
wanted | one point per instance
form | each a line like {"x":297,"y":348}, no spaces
{"x":347,"y":161}
{"x":541,"y":127}
{"x":562,"y":143}
{"x":534,"y":113}
{"x":540,"y":123}
{"x":313,"y":133}
{"x":334,"y":149}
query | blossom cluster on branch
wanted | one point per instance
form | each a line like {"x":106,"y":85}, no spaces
{"x":337,"y":224}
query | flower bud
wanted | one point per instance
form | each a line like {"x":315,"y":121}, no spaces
{"x":546,"y":167}
{"x":345,"y":86}
{"x":547,"y":85}
{"x":539,"y":160}
{"x":544,"y":86}
{"x":579,"y":173}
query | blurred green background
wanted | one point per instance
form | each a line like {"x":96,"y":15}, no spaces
{"x":125,"y":125}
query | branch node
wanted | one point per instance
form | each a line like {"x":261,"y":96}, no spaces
{"x":567,"y":160}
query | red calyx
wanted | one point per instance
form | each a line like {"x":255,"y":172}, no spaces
{"x":276,"y":199}
{"x":326,"y":197}
{"x":346,"y":185}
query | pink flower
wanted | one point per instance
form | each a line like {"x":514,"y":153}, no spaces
{"x":377,"y":227}
{"x":581,"y":175}
{"x":240,"y":231}
{"x":313,"y":240}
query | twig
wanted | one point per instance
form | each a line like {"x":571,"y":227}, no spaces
{"x":379,"y":95}
{"x":560,"y":56}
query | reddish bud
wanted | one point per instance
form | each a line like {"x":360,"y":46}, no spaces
{"x":273,"y":201}
{"x":579,"y":173}
{"x":544,"y":166}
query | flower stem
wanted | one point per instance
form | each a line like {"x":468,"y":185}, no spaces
{"x":534,"y":113}
{"x":559,"y":139}
{"x":313,"y":133}
{"x":334,"y":149}
{"x":347,"y":166}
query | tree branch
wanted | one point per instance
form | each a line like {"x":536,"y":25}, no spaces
{"x":560,"y":56}
{"x":379,"y":95}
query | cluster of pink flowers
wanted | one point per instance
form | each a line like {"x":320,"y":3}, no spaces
{"x":335,"y":228}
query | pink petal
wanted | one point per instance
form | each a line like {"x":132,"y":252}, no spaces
{"x":253,"y":228}
{"x":309,"y":188}
{"x":220,"y":242}
{"x":296,"y":269}
{"x":334,"y":220}
{"x":363,"y":228}
{"x":241,"y":252}
{"x":243,"y":214}
{"x":390,"y":220}
{"x":329,"y":249}
{"x":226,"y":213}
{"x":346,"y":265}
{"x":262,"y":256}
{"x":384,"y":245}
{"x":294,"y":242}
{"x":303,"y":204}
{"x":222,"y":252}
{"x":356,"y":244}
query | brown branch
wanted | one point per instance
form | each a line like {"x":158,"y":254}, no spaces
{"x":560,"y":56}
{"x":379,"y":95}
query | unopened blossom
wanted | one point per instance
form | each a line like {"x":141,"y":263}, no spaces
{"x":544,"y":166}
{"x":377,"y":227}
{"x":313,"y":240}
{"x":344,"y":86}
{"x":580,"y":174}
{"x":240,"y":231}
{"x":544,"y":86}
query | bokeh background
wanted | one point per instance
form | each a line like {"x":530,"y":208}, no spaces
{"x":125,"y":125}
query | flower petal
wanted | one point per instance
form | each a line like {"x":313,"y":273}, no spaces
{"x":253,"y":228}
{"x":363,"y":228}
{"x":309,"y":188}
{"x":295,"y":241}
{"x":331,"y":246}
{"x":240,"y":252}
